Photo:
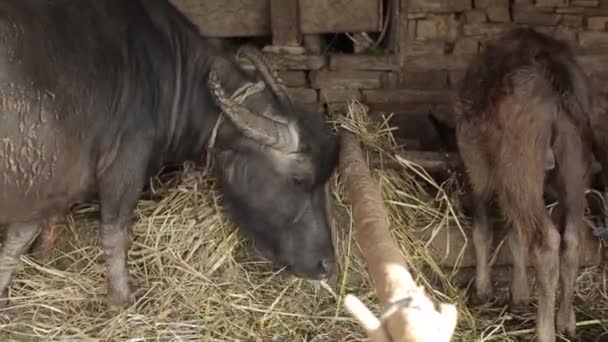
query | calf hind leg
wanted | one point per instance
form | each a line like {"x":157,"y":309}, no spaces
{"x":479,"y":179}
{"x":520,"y":288}
{"x":572,"y":179}
{"x":530,"y":218}
{"x":19,"y":237}
{"x":482,"y":241}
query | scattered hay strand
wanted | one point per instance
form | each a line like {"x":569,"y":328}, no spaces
{"x":197,"y":279}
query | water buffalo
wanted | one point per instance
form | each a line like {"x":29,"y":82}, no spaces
{"x":96,"y":96}
{"x":523,"y":122}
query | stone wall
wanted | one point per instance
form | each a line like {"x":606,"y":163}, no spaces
{"x":437,"y":38}
{"x":443,"y":35}
{"x":430,"y":44}
{"x":440,"y":37}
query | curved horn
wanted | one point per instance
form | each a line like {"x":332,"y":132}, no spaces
{"x":269,"y":75}
{"x":255,"y":127}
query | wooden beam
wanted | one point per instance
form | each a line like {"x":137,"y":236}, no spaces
{"x":285,"y":23}
{"x":313,"y":43}
{"x":290,"y":61}
{"x":410,"y":96}
{"x":330,"y":16}
{"x":363,"y":62}
{"x":430,"y":161}
{"x":228,"y":18}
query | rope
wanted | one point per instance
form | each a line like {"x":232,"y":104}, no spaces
{"x":239,"y":96}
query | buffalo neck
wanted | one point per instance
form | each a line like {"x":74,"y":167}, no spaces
{"x":194,"y":113}
{"x":186,"y":112}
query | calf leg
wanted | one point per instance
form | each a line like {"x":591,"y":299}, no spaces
{"x":479,"y":179}
{"x":19,"y":236}
{"x":46,"y":240}
{"x":520,"y":288}
{"x":573,"y":176}
{"x":521,"y":199}
{"x":545,"y":258}
{"x":569,"y":264}
{"x":482,"y":241}
{"x":544,"y":241}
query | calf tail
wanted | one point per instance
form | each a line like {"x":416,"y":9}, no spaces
{"x":520,"y":167}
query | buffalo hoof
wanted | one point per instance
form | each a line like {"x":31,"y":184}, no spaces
{"x":566,"y":324}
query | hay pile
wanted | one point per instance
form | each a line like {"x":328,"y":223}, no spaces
{"x":197,"y":279}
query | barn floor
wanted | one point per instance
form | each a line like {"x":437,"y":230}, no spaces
{"x":197,"y":279}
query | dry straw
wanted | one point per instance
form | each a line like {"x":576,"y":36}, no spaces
{"x":198,"y":279}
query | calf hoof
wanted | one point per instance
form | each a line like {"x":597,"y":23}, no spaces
{"x":566,"y":323}
{"x":480,"y":298}
{"x":4,"y":300}
{"x":120,"y":299}
{"x":520,"y":306}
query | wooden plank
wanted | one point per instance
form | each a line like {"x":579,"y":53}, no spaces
{"x":334,"y":95}
{"x":430,"y":161}
{"x":439,"y":6}
{"x":410,"y":96}
{"x":313,"y":43}
{"x":434,"y":62}
{"x":291,"y":62}
{"x":345,"y":79}
{"x":285,"y":22}
{"x":363,"y":62}
{"x":394,"y":27}
{"x":303,"y":95}
{"x":334,"y":16}
{"x":296,"y":79}
{"x":228,"y":18}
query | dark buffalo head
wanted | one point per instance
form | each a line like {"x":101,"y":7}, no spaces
{"x":273,"y":163}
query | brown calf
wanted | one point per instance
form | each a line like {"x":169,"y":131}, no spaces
{"x":522,"y":116}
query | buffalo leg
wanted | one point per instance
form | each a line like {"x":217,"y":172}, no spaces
{"x":115,"y":240}
{"x":19,"y":237}
{"x":120,"y":188}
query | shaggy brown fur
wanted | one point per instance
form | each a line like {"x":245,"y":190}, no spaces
{"x":523,"y":119}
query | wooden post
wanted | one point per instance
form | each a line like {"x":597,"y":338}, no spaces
{"x":409,"y":315}
{"x":285,"y":25}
